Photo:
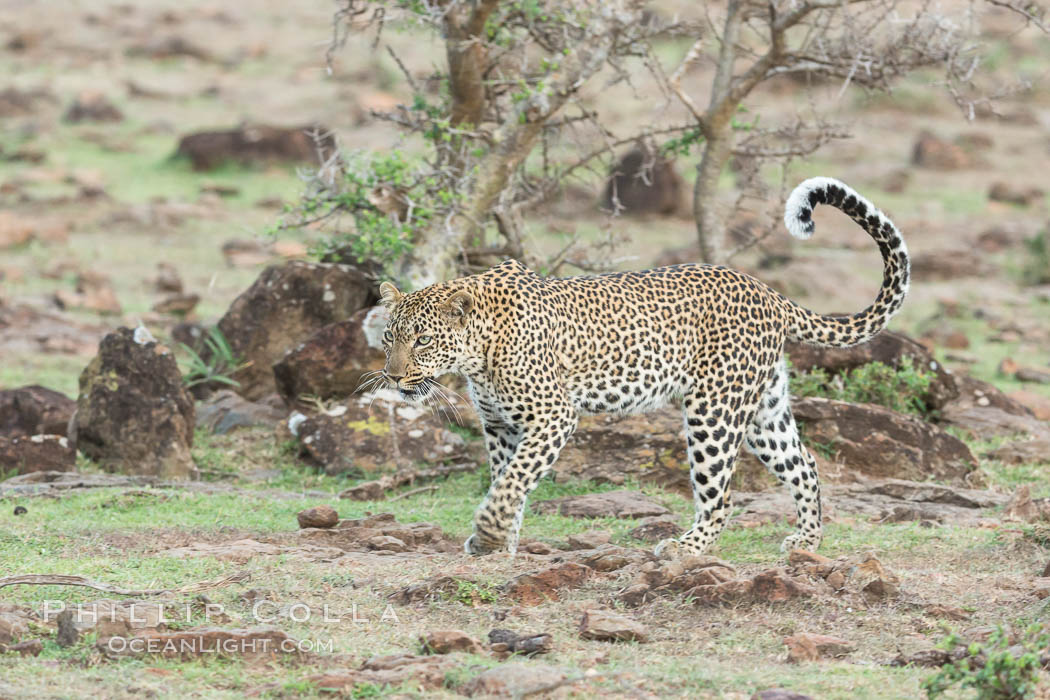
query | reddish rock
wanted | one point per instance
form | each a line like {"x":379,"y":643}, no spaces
{"x":949,"y":264}
{"x":134,"y":416}
{"x":610,"y":504}
{"x":1023,"y":451}
{"x":1038,"y":404}
{"x":803,"y":647}
{"x":426,"y":672}
{"x":36,"y":453}
{"x":281,"y":309}
{"x":448,"y":641}
{"x":332,"y":362}
{"x":537,"y":587}
{"x":1014,"y":194}
{"x":34,"y":410}
{"x":779,"y":694}
{"x":513,"y":680}
{"x":93,"y":292}
{"x":656,"y":528}
{"x":225,"y":411}
{"x":931,"y":151}
{"x":92,"y":107}
{"x":592,"y":539}
{"x":255,"y":144}
{"x":644,"y":183}
{"x":177,"y":304}
{"x":876,"y":441}
{"x":606,"y":626}
{"x":318,"y":516}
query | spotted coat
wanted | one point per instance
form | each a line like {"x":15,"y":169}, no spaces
{"x":539,"y":352}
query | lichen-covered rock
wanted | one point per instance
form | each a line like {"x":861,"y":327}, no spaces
{"x":134,"y":416}
{"x":332,"y":362}
{"x":374,"y":434}
{"x":876,"y":441}
{"x":282,"y":308}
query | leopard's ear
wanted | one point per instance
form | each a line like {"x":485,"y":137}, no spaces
{"x":459,"y":306}
{"x":388,"y":295}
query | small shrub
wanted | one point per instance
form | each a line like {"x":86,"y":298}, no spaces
{"x":221,"y":362}
{"x":901,"y":389}
{"x":1035,"y":268}
{"x":994,"y":669}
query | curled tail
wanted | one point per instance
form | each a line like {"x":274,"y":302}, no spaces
{"x":843,"y":331}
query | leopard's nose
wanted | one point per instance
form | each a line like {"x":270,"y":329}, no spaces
{"x":395,"y":378}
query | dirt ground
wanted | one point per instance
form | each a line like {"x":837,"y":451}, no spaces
{"x":106,"y":199}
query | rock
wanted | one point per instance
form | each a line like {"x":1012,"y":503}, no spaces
{"x":282,"y":308}
{"x":14,"y":623}
{"x":92,"y":107}
{"x":30,"y":647}
{"x":1026,"y":509}
{"x":929,"y":658}
{"x":16,"y":230}
{"x":874,"y":581}
{"x":1002,"y":236}
{"x":606,"y":626}
{"x":592,"y":539}
{"x":656,"y":528}
{"x":931,"y":151}
{"x":134,"y":416}
{"x":93,"y":292}
{"x":20,"y":103}
{"x":425,"y":672}
{"x":370,"y":434}
{"x":513,"y":680}
{"x":608,"y":557}
{"x":770,"y":586}
{"x":779,"y":694}
{"x":383,"y":532}
{"x":256,"y":144}
{"x":225,"y":411}
{"x":448,"y":641}
{"x":1038,"y":404}
{"x":434,"y":588}
{"x":655,"y":578}
{"x":205,"y":642}
{"x":537,"y":587}
{"x":988,"y":422}
{"x":168,"y":279}
{"x":36,"y":453}
{"x":1013,"y":194}
{"x":949,"y":264}
{"x":650,"y":448}
{"x":67,"y":634}
{"x":610,"y":504}
{"x":803,"y":647}
{"x":876,"y":441}
{"x":1032,"y":375}
{"x":332,"y":362}
{"x":177,"y":304}
{"x":643,"y":183}
{"x":34,"y":410}
{"x":887,"y":347}
{"x":318,"y":516}
{"x":1023,"y":451}
{"x":508,"y":642}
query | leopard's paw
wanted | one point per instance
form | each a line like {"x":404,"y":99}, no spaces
{"x":667,"y":549}
{"x":477,"y":547}
{"x":800,"y":541}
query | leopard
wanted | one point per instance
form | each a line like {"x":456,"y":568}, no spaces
{"x":538,"y":352}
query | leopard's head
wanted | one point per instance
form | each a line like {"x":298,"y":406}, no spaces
{"x":425,"y":337}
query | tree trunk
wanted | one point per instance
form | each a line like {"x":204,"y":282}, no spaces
{"x":709,"y":215}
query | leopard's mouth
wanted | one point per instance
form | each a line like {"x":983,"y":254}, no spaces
{"x":416,"y":392}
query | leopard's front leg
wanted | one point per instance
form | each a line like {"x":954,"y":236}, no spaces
{"x":497,"y":520}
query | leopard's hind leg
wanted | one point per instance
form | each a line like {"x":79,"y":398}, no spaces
{"x":716,"y":418}
{"x":772,"y":436}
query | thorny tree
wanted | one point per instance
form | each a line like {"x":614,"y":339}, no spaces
{"x":507,"y":125}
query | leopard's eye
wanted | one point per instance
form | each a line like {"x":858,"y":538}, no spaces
{"x":388,"y":337}
{"x":423,"y":341}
